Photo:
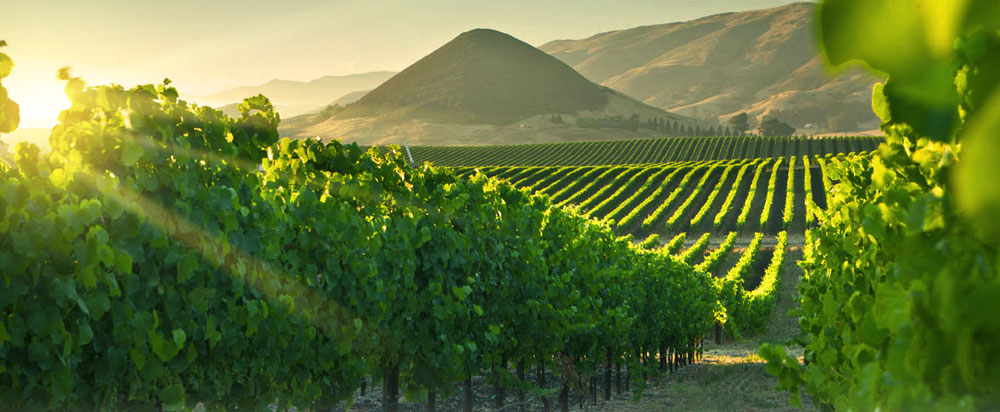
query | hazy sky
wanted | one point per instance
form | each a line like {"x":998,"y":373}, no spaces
{"x":206,"y":46}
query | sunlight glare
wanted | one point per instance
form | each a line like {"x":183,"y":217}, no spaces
{"x":40,"y":101}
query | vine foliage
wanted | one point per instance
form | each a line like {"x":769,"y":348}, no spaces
{"x":898,"y":302}
{"x":164,"y":255}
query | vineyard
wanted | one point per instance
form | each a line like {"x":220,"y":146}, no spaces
{"x":191,"y":258}
{"x":730,"y":218}
{"x":644,"y":151}
{"x":165,"y":256}
{"x":765,"y":195}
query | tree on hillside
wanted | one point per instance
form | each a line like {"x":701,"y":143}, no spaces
{"x":774,"y":127}
{"x":841,"y":122}
{"x":634,"y":119}
{"x":740,"y":123}
{"x":330,"y":111}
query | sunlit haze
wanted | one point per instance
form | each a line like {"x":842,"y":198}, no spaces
{"x":205,"y":47}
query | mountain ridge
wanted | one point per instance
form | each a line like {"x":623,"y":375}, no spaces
{"x":763,"y":62}
{"x":293,"y":97}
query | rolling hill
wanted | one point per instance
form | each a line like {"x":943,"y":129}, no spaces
{"x":483,"y":87}
{"x":763,"y":62}
{"x":482,"y":76}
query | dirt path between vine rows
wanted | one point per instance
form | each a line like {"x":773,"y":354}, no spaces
{"x":731,"y":376}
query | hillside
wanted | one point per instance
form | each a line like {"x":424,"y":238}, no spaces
{"x":483,"y":87}
{"x":763,"y":62}
{"x":351,"y":97}
{"x":482,"y":76}
{"x":293,"y":98}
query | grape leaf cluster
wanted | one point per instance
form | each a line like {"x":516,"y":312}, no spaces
{"x":898,"y":303}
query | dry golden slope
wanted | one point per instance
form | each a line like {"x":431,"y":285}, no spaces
{"x":763,"y":62}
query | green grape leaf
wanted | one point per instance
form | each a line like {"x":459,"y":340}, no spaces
{"x":4,"y":336}
{"x":976,"y":196}
{"x":87,"y":277}
{"x":58,"y":178}
{"x":6,"y":64}
{"x":161,"y":347}
{"x":200,"y":298}
{"x":86,"y":333}
{"x":106,"y":255}
{"x":98,"y":303}
{"x":981,"y":14}
{"x":901,"y":37}
{"x":123,"y":263}
{"x":911,"y":41}
{"x":891,"y":306}
{"x":131,"y":153}
{"x":10,"y":115}
{"x":880,"y":105}
{"x":186,"y":267}
{"x":212,"y":333}
{"x":172,"y":397}
{"x":179,"y":338}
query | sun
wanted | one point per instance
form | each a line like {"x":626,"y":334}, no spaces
{"x":40,"y":101}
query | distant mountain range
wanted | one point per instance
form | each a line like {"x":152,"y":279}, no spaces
{"x":483,"y":87}
{"x":293,"y":98}
{"x":763,"y":62}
